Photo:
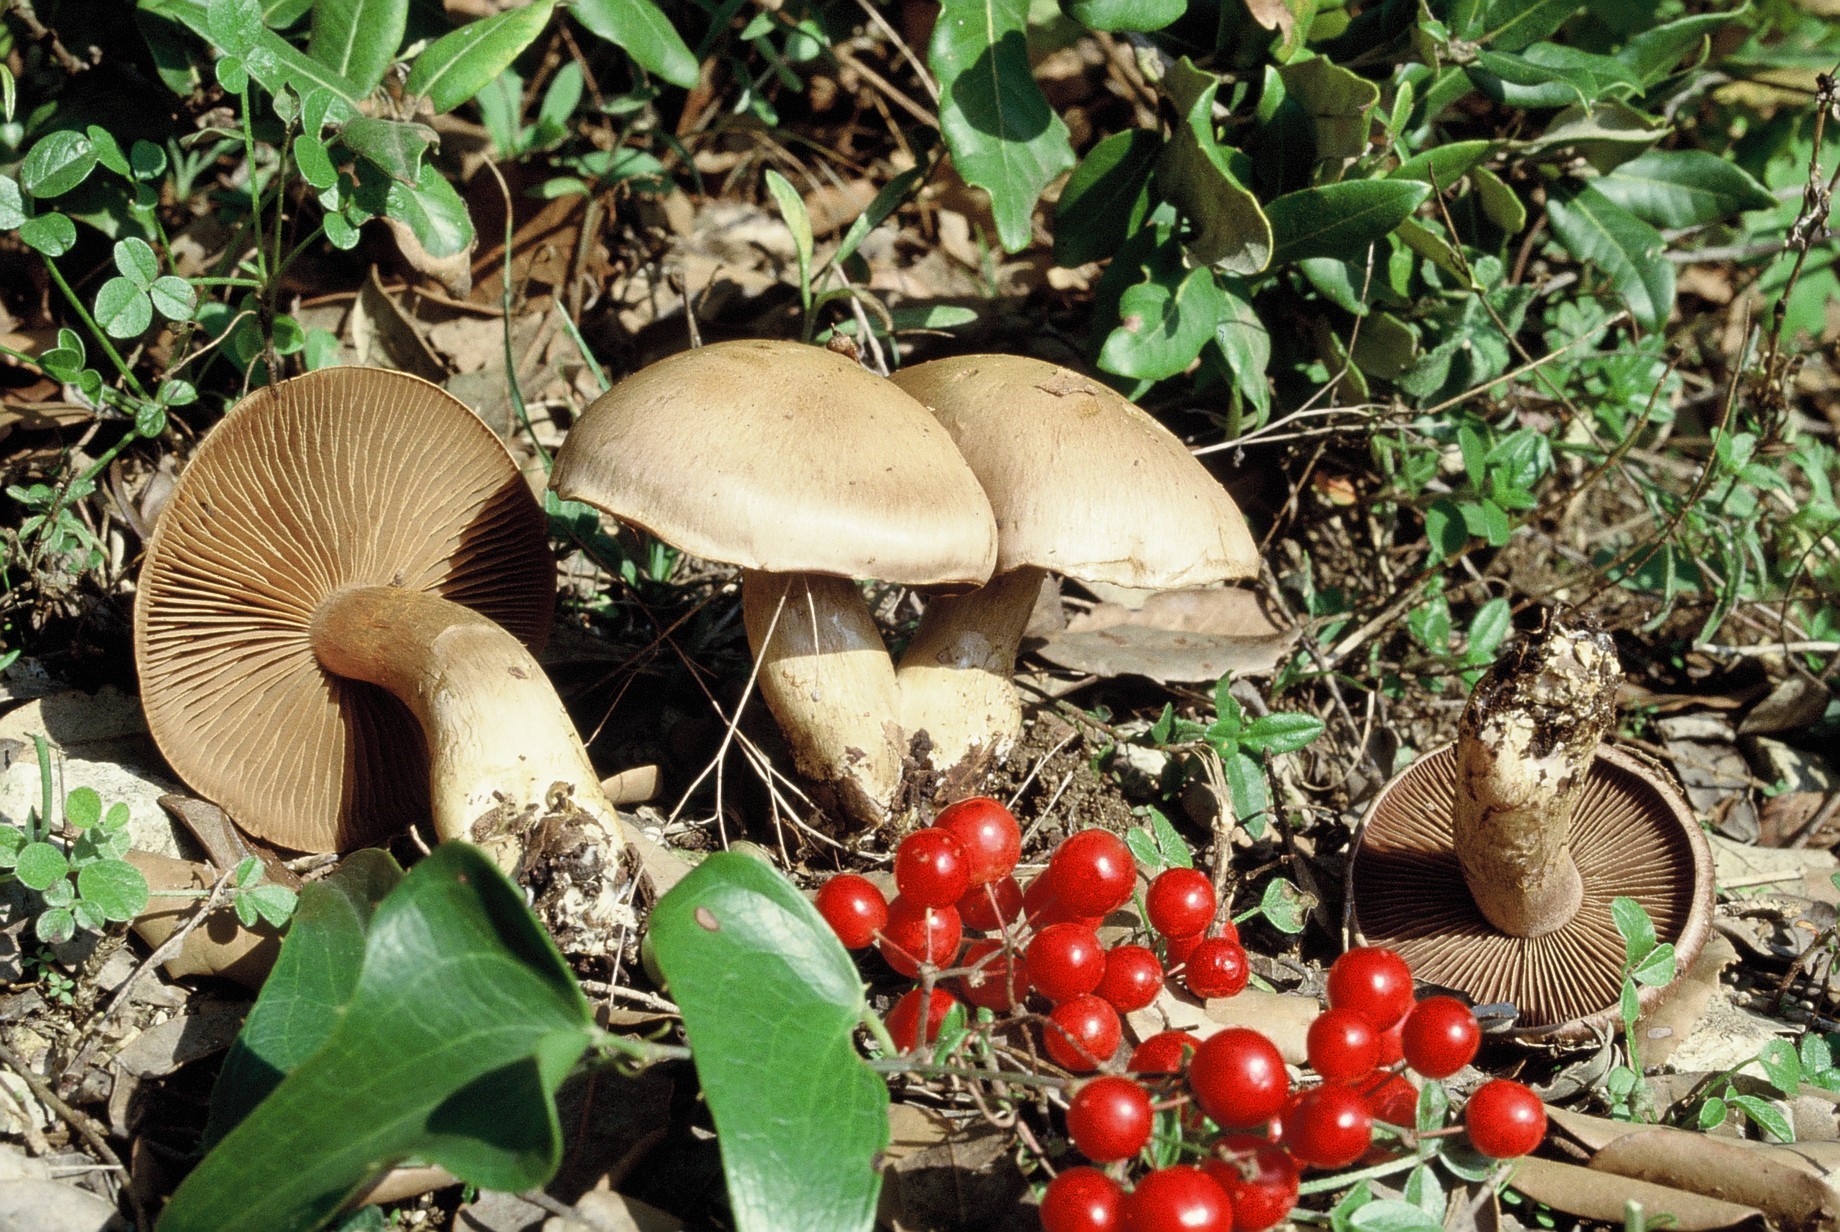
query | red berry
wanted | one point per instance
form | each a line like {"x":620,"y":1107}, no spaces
{"x":1181,"y":1197}
{"x":1164,"y":1053}
{"x":1260,"y":1178}
{"x":1133,"y":977}
{"x":1109,"y":1119}
{"x":1082,"y":1200}
{"x":998,"y":979}
{"x":1092,"y":872}
{"x":1082,"y":1034}
{"x":1392,"y":1043}
{"x":1342,"y":1045}
{"x":1374,"y":982}
{"x":1440,"y":1037}
{"x":930,"y":867}
{"x":1504,"y":1119}
{"x":1390,"y":1098}
{"x":988,"y":833}
{"x":1328,"y":1126}
{"x":1217,"y":968}
{"x":854,"y":908}
{"x":916,"y":934}
{"x":904,"y":1018}
{"x":1066,"y":960}
{"x":1238,"y":1078}
{"x":992,"y":906}
{"x":1040,"y":906}
{"x":1180,"y":902}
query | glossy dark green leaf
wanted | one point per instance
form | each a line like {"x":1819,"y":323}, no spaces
{"x":433,"y":212}
{"x":461,"y":1024}
{"x":1509,"y":25}
{"x":1628,"y":250}
{"x":1551,"y":75}
{"x":770,"y":1004}
{"x":1340,"y":220}
{"x":1245,"y":346}
{"x":395,"y":146}
{"x":461,"y":64}
{"x":1195,"y":173}
{"x":1652,"y":54}
{"x":57,"y":163}
{"x":1111,"y":15}
{"x":639,"y":29}
{"x":1004,"y":137}
{"x":1165,"y":317}
{"x":1337,"y":102}
{"x":1107,"y":198}
{"x":357,"y":39}
{"x":1446,"y":164}
{"x":1683,"y":188}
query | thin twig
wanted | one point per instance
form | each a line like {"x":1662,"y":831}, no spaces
{"x":78,"y":1121}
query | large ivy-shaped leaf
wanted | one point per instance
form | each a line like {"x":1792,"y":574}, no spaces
{"x":1683,"y":188}
{"x":357,"y":39}
{"x":1004,"y":137}
{"x":1340,"y":220}
{"x":770,"y":1003}
{"x":1165,"y":319}
{"x":461,"y":1024}
{"x":639,"y":29}
{"x":460,"y":64}
{"x":1231,"y":232}
{"x":1595,"y":229}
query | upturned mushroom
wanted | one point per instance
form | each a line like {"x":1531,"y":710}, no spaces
{"x":335,"y":625}
{"x":807,"y":471}
{"x":1491,"y":863}
{"x":1083,"y":484}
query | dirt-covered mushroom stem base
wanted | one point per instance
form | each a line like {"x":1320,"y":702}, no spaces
{"x":503,"y":755}
{"x":1527,"y":742}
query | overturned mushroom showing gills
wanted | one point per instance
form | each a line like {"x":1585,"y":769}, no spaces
{"x":1491,"y":863}
{"x":1083,"y":484}
{"x":806,"y":471}
{"x":335,"y":623}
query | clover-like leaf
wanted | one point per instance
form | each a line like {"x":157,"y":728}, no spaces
{"x":114,"y":888}
{"x":40,"y":866}
{"x":50,"y":234}
{"x":175,"y":299}
{"x":123,"y":309}
{"x":57,"y":163}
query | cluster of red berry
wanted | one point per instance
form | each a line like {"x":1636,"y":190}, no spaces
{"x":956,"y":875}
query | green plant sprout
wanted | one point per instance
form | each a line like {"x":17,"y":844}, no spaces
{"x":1240,"y":745}
{"x":1646,"y":963}
{"x":82,"y":880}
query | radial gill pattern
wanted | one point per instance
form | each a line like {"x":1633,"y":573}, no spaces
{"x":1631,"y":835}
{"x":343,"y":477}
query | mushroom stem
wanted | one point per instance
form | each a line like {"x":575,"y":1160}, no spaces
{"x":955,"y":677}
{"x":1528,"y":737}
{"x":502,"y":752}
{"x":825,"y":674}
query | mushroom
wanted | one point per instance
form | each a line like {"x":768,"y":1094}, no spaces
{"x":1491,"y":863}
{"x":1083,"y":484}
{"x":807,"y":471}
{"x":335,"y":622}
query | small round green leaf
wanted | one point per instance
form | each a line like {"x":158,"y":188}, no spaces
{"x":88,"y":916}
{"x":231,"y":75}
{"x":288,"y":336}
{"x":177,"y":393}
{"x":150,"y":420}
{"x":56,"y":926}
{"x":51,"y":234}
{"x":12,"y":204}
{"x":173,"y":297}
{"x":83,"y":807}
{"x":108,"y":150}
{"x":341,"y":233}
{"x":41,"y":866}
{"x":115,"y":888}
{"x":147,"y":160}
{"x":123,"y":309}
{"x":137,"y":261}
{"x":57,"y":164}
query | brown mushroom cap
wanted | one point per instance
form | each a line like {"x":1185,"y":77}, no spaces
{"x":783,"y":458}
{"x":341,"y":478}
{"x":1083,"y":483}
{"x":1631,"y":834}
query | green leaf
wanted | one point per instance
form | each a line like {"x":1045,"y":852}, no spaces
{"x":1628,"y":250}
{"x":1781,"y":1066}
{"x":1340,"y":220}
{"x":1281,"y":732}
{"x":770,"y":1003}
{"x":56,"y":926}
{"x":1284,"y":906}
{"x":314,"y":978}
{"x":433,"y":212}
{"x":137,"y":262}
{"x":1501,"y":205}
{"x":315,"y":162}
{"x":58,"y":163}
{"x":1651,"y":54}
{"x":1245,"y":345}
{"x":40,"y":865}
{"x":1445,"y":163}
{"x":173,"y":298}
{"x":146,"y":160}
{"x":1712,"y":1112}
{"x":395,"y":146}
{"x":638,"y":28}
{"x":270,"y":904}
{"x":1246,"y":781}
{"x":1509,"y":25}
{"x":798,"y":221}
{"x":1107,"y":198}
{"x":12,"y":204}
{"x":122,"y":309}
{"x":1487,"y":630}
{"x":357,"y":39}
{"x":1634,"y":926}
{"x":113,"y":887}
{"x":1551,"y":75}
{"x":1165,"y":320}
{"x":1656,"y":968}
{"x":1113,"y":15}
{"x":461,"y":64}
{"x":885,"y":202}
{"x":462,"y":1023}
{"x":1392,"y":1215}
{"x":1336,"y":101}
{"x":1195,"y":174}
{"x":1682,"y":188}
{"x":83,"y":807}
{"x":1767,"y":1116}
{"x":1004,"y":137}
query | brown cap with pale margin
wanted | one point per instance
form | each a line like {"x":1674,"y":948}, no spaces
{"x":1083,"y":483}
{"x":343,"y":477}
{"x":1631,"y":835}
{"x":783,"y":458}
